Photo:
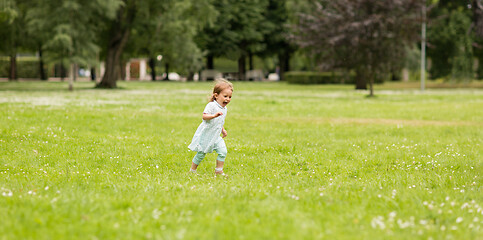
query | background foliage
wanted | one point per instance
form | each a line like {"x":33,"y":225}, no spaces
{"x":190,"y":35}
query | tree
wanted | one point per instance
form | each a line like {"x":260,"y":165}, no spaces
{"x":218,"y":39}
{"x":275,"y":28}
{"x":477,"y":27}
{"x":13,"y":26}
{"x":150,"y":18}
{"x":239,"y":30}
{"x":71,"y":36}
{"x":450,"y":42}
{"x":117,"y":36}
{"x":477,"y":21}
{"x":38,"y":33}
{"x":180,"y":48}
{"x":359,"y":35}
{"x":171,"y":33}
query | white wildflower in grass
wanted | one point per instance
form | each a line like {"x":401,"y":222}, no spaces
{"x":7,"y":194}
{"x":378,"y":222}
{"x":458,"y":220}
{"x":403,"y":224}
{"x":156,"y":213}
{"x":294,"y":197}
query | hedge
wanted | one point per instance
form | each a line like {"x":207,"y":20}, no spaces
{"x":25,"y":68}
{"x":319,"y":78}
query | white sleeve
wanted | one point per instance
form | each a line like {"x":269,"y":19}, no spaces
{"x":209,"y":109}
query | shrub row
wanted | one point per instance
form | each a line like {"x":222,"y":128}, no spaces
{"x":25,"y":68}
{"x":319,"y":78}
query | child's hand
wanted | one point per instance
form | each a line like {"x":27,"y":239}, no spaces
{"x":218,"y":114}
{"x":224,"y":133}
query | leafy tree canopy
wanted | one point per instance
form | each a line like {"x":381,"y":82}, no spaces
{"x":360,"y":35}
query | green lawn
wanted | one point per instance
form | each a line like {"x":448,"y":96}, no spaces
{"x":305,"y":162}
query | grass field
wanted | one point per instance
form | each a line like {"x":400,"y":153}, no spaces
{"x":304,"y":162}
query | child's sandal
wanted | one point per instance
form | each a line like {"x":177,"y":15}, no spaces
{"x":220,"y":173}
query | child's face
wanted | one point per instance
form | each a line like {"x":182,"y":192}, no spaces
{"x":224,"y":97}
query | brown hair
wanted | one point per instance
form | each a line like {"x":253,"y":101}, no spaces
{"x":220,"y":85}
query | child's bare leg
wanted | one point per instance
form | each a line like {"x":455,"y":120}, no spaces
{"x":219,"y":164}
{"x":219,"y":167}
{"x":194,"y":166}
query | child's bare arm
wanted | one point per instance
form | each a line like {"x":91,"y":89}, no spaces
{"x":207,"y":116}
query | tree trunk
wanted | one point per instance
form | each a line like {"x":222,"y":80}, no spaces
{"x":190,"y":77}
{"x":361,"y":79}
{"x":371,"y":84}
{"x":119,"y":34}
{"x":286,"y":65}
{"x":284,"y":61}
{"x":62,"y":70}
{"x":241,"y":67}
{"x":71,"y":76}
{"x":152,"y":65}
{"x":74,"y":72}
{"x":43,"y":75}
{"x":394,"y":76}
{"x":210,"y":62}
{"x":166,"y":68}
{"x":250,"y":60}
{"x":12,"y":74}
{"x":361,"y":82}
{"x":371,"y":74}
{"x":93,"y":74}
{"x":371,"y":87}
{"x":111,"y":73}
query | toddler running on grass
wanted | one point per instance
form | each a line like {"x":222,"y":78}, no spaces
{"x":207,"y":136}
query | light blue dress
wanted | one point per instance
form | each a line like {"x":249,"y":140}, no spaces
{"x":208,"y":133}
